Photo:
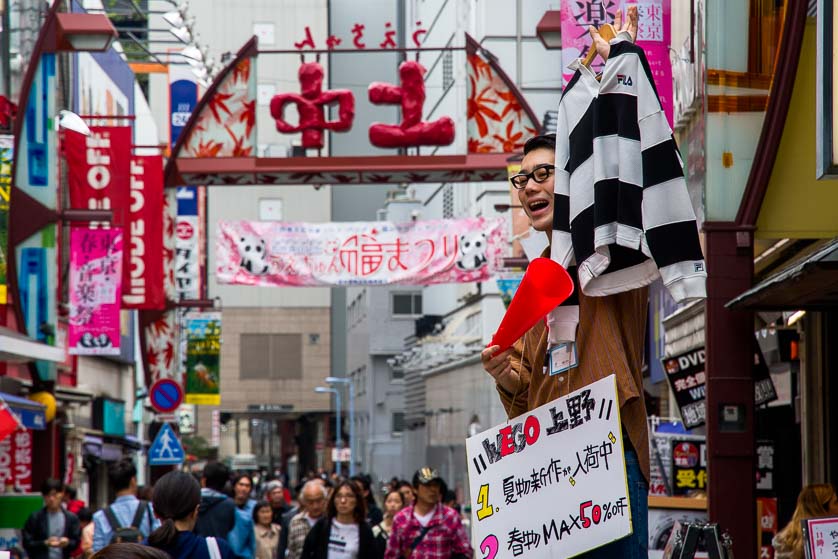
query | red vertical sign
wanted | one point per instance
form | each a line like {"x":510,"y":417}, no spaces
{"x":99,"y":170}
{"x":16,"y":460}
{"x":142,"y":270}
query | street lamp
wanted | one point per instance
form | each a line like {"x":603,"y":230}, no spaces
{"x":338,"y":441}
{"x":348,"y":382}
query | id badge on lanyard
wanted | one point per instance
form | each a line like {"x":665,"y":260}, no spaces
{"x":562,"y":358}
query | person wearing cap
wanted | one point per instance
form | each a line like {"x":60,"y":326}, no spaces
{"x":428,"y":529}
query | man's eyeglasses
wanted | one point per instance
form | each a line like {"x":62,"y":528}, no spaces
{"x":539,"y":175}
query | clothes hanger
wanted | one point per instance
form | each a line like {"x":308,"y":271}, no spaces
{"x":607,"y":32}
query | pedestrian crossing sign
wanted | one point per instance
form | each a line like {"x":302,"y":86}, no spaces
{"x":166,"y":449}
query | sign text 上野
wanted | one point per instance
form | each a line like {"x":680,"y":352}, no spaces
{"x":551,"y":483}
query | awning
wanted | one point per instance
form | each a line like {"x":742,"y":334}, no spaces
{"x":808,"y":283}
{"x":19,"y":348}
{"x":31,"y":414}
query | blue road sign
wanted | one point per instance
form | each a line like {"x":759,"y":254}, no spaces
{"x":166,"y":395}
{"x":166,"y":449}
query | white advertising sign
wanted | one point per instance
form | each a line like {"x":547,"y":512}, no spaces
{"x":821,"y":538}
{"x":551,"y":484}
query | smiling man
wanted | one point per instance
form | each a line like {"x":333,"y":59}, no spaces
{"x":609,"y":339}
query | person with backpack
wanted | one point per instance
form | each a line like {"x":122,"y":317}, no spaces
{"x":177,"y":497}
{"x":127,"y":519}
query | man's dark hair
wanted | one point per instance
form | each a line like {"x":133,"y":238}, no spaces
{"x":547,"y":141}
{"x":240,"y":477}
{"x":120,"y":474}
{"x":85,"y":514}
{"x":70,"y":492}
{"x":51,"y":484}
{"x":216,"y":475}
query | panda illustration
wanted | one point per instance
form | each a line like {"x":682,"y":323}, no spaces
{"x":253,"y":255}
{"x":472,"y":251}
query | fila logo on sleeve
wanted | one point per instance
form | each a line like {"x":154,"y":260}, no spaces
{"x":624,"y":80}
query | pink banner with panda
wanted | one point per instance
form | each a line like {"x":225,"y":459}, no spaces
{"x":359,"y":253}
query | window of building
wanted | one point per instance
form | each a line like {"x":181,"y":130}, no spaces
{"x":270,"y":356}
{"x":396,"y":373}
{"x":398,"y":422}
{"x":406,"y":304}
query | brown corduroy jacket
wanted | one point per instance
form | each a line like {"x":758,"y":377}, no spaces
{"x":609,"y":340}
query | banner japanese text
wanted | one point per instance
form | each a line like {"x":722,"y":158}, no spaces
{"x":95,"y":288}
{"x":359,"y":253}
{"x":16,"y":461}
{"x":143,"y":264}
{"x":187,"y":244}
{"x":552,"y":484}
{"x":685,"y":373}
{"x":203,"y":358}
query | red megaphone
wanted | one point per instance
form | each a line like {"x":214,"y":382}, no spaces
{"x":545,"y":285}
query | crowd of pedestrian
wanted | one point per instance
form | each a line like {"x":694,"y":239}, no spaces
{"x":223,"y":516}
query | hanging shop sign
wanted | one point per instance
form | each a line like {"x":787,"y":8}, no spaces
{"x":142,"y":277}
{"x":7,"y":144}
{"x":203,"y":358}
{"x":686,"y":376}
{"x":16,"y":461}
{"x":359,"y":253}
{"x":160,"y":334}
{"x":95,"y":288}
{"x":553,"y":483}
{"x":187,"y":244}
{"x":99,"y":170}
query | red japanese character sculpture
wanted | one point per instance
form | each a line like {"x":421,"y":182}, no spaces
{"x":311,"y":102}
{"x":412,"y":131}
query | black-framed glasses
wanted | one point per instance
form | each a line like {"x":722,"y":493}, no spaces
{"x":539,"y":175}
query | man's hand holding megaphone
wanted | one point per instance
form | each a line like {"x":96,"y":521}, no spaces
{"x":546,"y":284}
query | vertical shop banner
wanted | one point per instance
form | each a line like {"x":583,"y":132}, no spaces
{"x":551,"y":484}
{"x":689,"y":467}
{"x":7,"y":146}
{"x":187,"y":244}
{"x":654,"y":34}
{"x":765,"y":467}
{"x":767,"y":526}
{"x":16,"y":461}
{"x":142,"y":276}
{"x":99,"y":170}
{"x":203,"y":358}
{"x":183,"y":97}
{"x":95,"y":289}
{"x":161,"y":334}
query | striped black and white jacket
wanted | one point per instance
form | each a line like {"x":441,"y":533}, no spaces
{"x":622,"y":213}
